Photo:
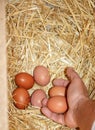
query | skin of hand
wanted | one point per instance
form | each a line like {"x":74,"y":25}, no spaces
{"x":76,"y":93}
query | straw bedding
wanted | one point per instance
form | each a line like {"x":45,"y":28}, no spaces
{"x":53,"y":33}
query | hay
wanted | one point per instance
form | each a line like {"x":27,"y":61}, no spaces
{"x":53,"y":33}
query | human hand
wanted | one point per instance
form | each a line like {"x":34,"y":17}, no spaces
{"x":76,"y":92}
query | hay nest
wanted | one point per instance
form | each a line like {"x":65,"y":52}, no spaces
{"x":53,"y":33}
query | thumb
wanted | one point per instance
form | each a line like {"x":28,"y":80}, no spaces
{"x":76,"y":88}
{"x":71,"y":73}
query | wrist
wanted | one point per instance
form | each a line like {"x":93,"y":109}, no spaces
{"x":85,"y":113}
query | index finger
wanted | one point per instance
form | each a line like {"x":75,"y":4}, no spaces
{"x":60,"y":82}
{"x":59,"y":118}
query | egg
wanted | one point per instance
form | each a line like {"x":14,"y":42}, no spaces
{"x":21,"y":98}
{"x":57,"y":91}
{"x":37,"y":97}
{"x":57,"y":104}
{"x":41,"y":75}
{"x":24,"y":80}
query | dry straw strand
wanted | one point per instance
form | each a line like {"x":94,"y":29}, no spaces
{"x":53,"y":33}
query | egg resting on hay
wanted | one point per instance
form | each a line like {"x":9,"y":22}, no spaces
{"x":55,"y":34}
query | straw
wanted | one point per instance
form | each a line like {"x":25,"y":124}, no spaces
{"x":53,"y":33}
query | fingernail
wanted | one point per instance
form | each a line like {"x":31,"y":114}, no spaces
{"x":69,"y":69}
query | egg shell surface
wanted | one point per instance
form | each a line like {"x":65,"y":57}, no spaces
{"x":21,"y":98}
{"x":41,"y":75}
{"x":24,"y":80}
{"x":57,"y":91}
{"x":37,"y":97}
{"x":57,"y":104}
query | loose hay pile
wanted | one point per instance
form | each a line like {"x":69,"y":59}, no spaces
{"x":53,"y":33}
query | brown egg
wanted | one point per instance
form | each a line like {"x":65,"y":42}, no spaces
{"x":57,"y":91}
{"x":41,"y":75}
{"x":21,"y":98}
{"x":24,"y":80}
{"x":37,"y":97}
{"x":57,"y":104}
